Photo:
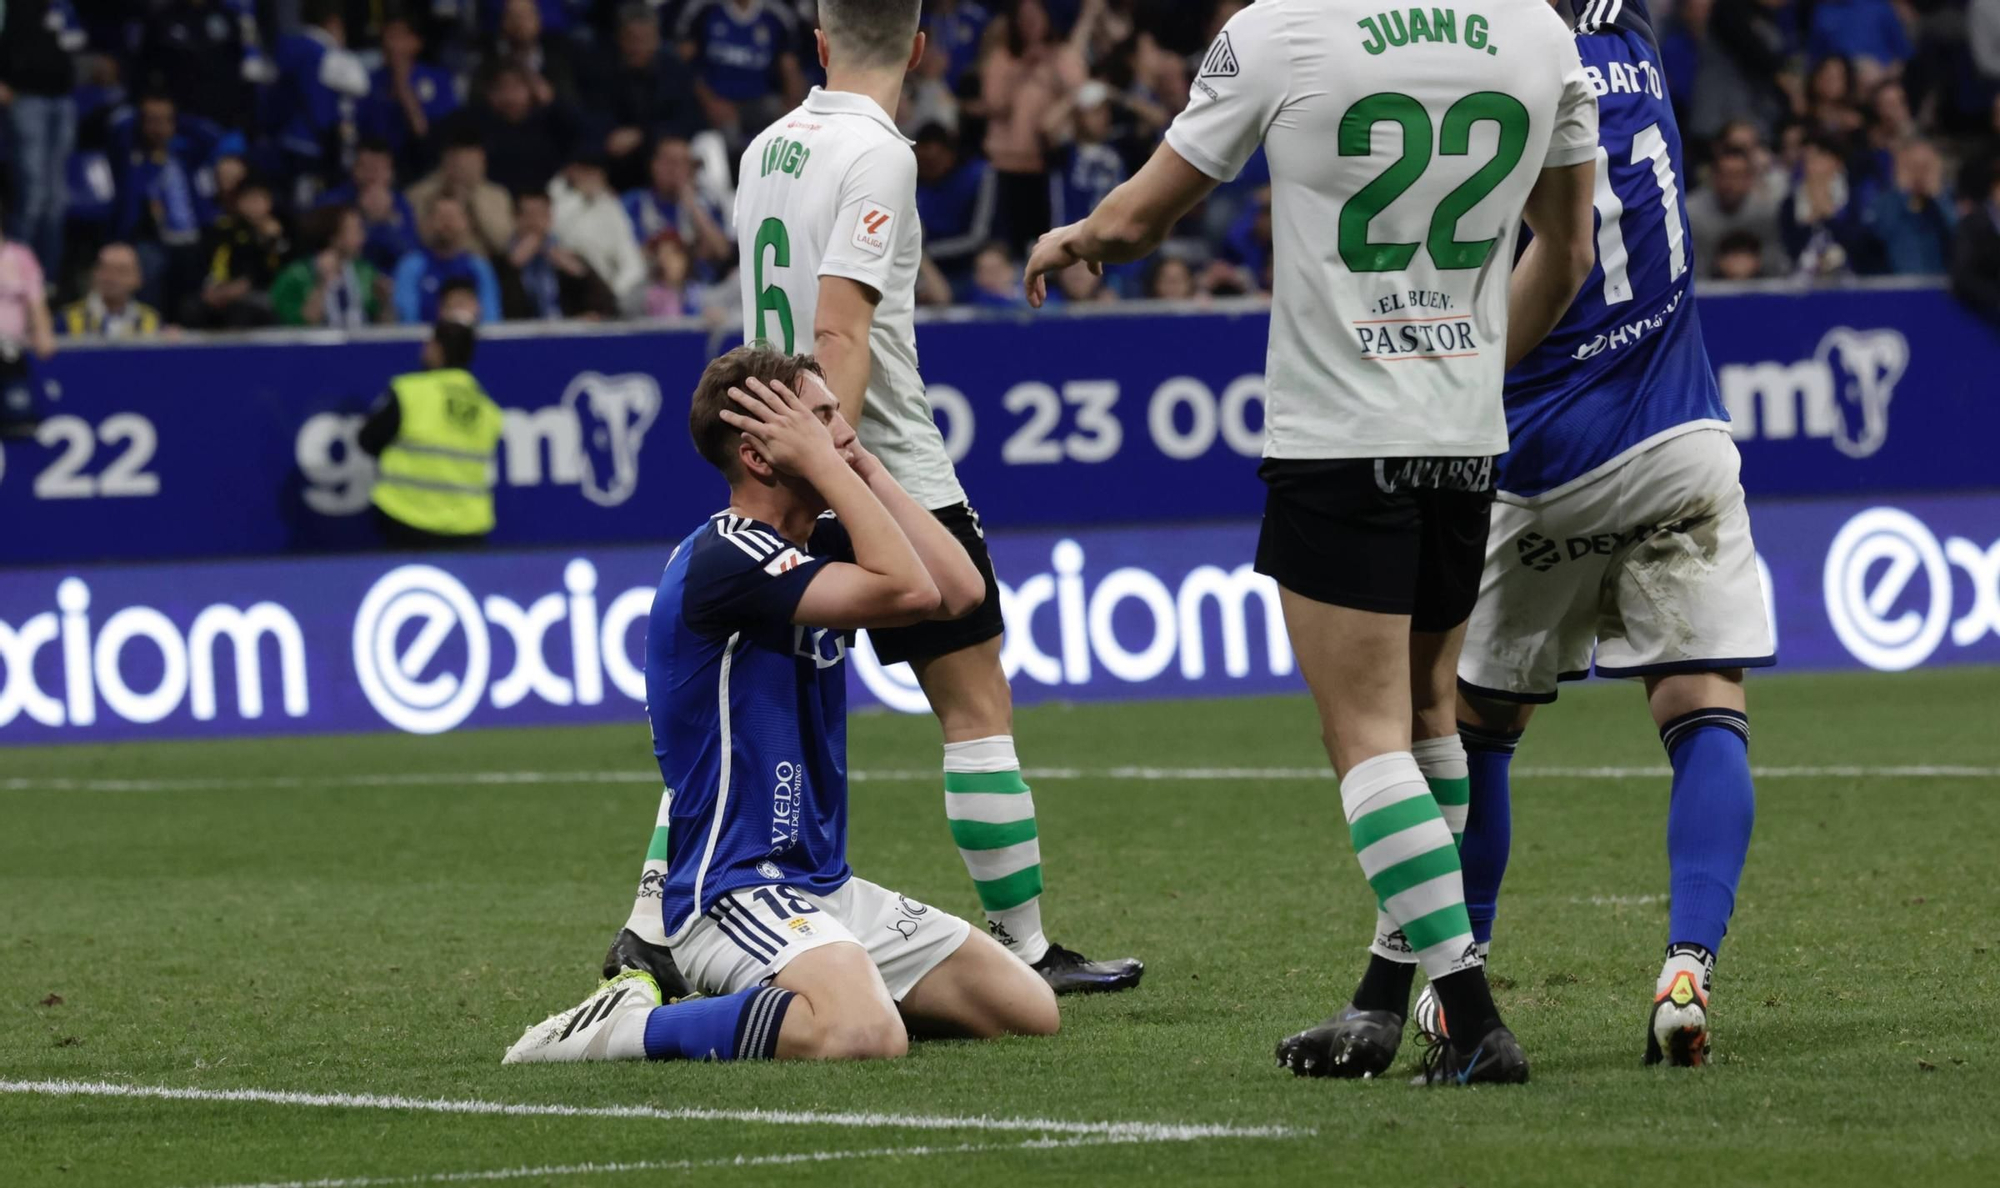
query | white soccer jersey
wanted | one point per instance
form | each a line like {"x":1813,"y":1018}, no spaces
{"x":831,"y":190}
{"x":1403,"y":143}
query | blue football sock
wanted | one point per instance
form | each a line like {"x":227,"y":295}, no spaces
{"x":1489,"y":823}
{"x":741,"y":1026}
{"x":1708,"y":824}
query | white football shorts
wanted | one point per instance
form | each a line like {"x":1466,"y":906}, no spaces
{"x":752,"y":933}
{"x":1646,"y":569}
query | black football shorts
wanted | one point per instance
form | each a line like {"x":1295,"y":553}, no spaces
{"x":940,"y":637}
{"x":1397,"y":536}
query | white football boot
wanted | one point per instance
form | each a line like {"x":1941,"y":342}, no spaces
{"x":583,"y":1032}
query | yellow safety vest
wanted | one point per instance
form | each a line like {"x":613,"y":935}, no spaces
{"x":437,"y":476}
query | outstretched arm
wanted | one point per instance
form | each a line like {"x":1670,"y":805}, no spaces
{"x":1131,"y":221}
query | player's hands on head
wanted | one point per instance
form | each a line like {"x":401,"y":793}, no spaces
{"x":790,"y":435}
{"x":1054,"y":252}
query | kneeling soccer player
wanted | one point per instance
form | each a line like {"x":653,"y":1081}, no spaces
{"x":746,"y":686}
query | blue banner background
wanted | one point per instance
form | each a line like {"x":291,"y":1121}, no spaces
{"x":244,"y":448}
{"x":372,"y":642}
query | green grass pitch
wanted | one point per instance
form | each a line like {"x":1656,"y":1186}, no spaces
{"x":265,"y":916}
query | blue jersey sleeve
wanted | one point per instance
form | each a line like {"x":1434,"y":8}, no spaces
{"x":743,"y":576}
{"x":830,"y":541}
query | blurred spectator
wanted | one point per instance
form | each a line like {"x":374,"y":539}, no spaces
{"x":25,"y":329}
{"x":928,"y":97}
{"x":458,"y":301}
{"x":932,"y":286}
{"x":316,"y":101}
{"x":1740,"y":256}
{"x":956,"y":201}
{"x":1911,"y":222}
{"x":1773,"y":177}
{"x":957,"y":27}
{"x":1026,"y":73}
{"x":206,"y":53}
{"x":1170,"y":279}
{"x":525,"y":143}
{"x":1078,"y":285}
{"x":645,"y":91}
{"x":1087,"y":167}
{"x":996,"y":280}
{"x":111,"y":308}
{"x":1746,"y":69}
{"x":544,"y":56}
{"x":1982,"y":34}
{"x":556,"y":16}
{"x":672,"y":203}
{"x":407,"y":96}
{"x":1248,"y":245}
{"x":161,"y":210}
{"x":1830,"y":109}
{"x":1868,"y":32}
{"x":1975,"y":255}
{"x":448,"y":254}
{"x":746,"y":74}
{"x":462,"y":175}
{"x":335,"y":287}
{"x":390,"y":222}
{"x":38,"y":44}
{"x":1817,"y":222}
{"x":540,"y":280}
{"x":24,"y":307}
{"x":1731,"y":203}
{"x":668,"y":294}
{"x":1890,"y":125}
{"x":246,"y":249}
{"x":591,"y":221}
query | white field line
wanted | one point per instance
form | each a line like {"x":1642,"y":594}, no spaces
{"x":461,"y":779}
{"x":1150,"y":1132}
{"x":673,"y":1165}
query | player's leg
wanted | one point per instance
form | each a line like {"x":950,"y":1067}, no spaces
{"x":1690,"y":617}
{"x":1705,"y":727}
{"x":1489,"y":729}
{"x":990,"y":808}
{"x":1357,"y":665}
{"x":642,"y":943}
{"x":979,"y":992}
{"x":1382,"y":683}
{"x":779,"y":985}
{"x":945,"y":976}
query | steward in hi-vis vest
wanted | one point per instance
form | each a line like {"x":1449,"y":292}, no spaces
{"x":434,"y":432}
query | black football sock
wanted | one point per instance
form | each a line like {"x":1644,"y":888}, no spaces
{"x":1385,"y":986}
{"x":1469,"y":1012}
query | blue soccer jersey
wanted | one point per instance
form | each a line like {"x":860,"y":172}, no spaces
{"x":1626,"y":364}
{"x":749,"y":716}
{"x":737,"y":46}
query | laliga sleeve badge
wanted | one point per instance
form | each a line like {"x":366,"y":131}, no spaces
{"x":871,"y":230}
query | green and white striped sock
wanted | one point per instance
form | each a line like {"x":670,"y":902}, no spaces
{"x":1407,"y":852}
{"x":992,"y":817}
{"x":1442,"y":760}
{"x":646,"y":919}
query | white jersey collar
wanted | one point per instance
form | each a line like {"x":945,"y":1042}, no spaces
{"x":824,"y":102}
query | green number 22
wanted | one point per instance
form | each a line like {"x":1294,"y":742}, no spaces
{"x":1357,"y":128}
{"x":771,"y":299}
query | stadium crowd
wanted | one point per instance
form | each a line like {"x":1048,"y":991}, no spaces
{"x":226,"y":164}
